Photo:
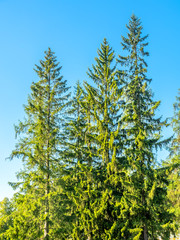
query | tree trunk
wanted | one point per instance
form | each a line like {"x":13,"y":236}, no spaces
{"x":47,"y":188}
{"x":145,"y":232}
{"x":46,"y":224}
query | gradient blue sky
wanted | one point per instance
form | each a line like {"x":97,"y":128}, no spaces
{"x":74,"y":29}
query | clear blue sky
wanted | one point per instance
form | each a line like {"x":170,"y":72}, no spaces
{"x":74,"y":29}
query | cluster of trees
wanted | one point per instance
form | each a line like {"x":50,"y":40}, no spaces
{"x":90,"y":166}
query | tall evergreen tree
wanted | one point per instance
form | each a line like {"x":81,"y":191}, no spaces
{"x":174,"y":162}
{"x":79,"y":169}
{"x":101,"y":107}
{"x":40,"y":147}
{"x":75,"y":154}
{"x":148,"y":215}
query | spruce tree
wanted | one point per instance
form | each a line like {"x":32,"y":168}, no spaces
{"x":148,"y":216}
{"x":40,"y":146}
{"x":101,"y":107}
{"x":79,"y":164}
{"x":75,"y":128}
{"x":174,"y":163}
{"x":75,"y":154}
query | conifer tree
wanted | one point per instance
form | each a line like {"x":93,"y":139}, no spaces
{"x":75,"y":128}
{"x":79,"y":163}
{"x":148,"y":216}
{"x":75,"y":154}
{"x":101,"y":107}
{"x":40,"y":146}
{"x":174,"y":162}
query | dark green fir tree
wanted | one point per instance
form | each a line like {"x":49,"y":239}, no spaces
{"x":97,"y":182}
{"x":76,"y":158}
{"x":40,"y":146}
{"x":79,"y":170}
{"x":148,"y":216}
{"x":174,"y":163}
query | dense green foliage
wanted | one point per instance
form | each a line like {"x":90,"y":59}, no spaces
{"x":174,"y":163}
{"x":148,"y":213}
{"x":37,"y":202}
{"x":90,"y":165}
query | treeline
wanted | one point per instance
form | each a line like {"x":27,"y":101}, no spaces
{"x":90,"y":167}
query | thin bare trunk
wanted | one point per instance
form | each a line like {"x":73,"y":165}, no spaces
{"x":145,"y":232}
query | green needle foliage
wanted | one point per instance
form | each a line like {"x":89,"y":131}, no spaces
{"x":75,"y":129}
{"x":174,"y":187}
{"x":90,"y":163}
{"x":6,"y":221}
{"x":101,"y":105}
{"x":39,"y":146}
{"x":148,"y":212}
{"x":76,"y":158}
